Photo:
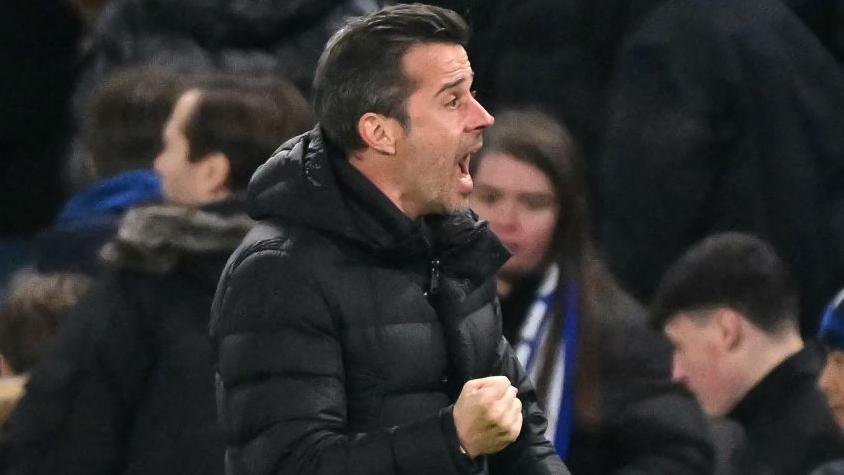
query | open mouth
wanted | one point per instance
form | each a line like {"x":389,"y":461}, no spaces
{"x":464,"y":164}
{"x":466,"y":184}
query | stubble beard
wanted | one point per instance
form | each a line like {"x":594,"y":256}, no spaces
{"x":456,"y":205}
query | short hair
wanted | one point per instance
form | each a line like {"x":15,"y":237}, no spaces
{"x":535,"y":138}
{"x":32,"y":311}
{"x":734,"y":270}
{"x":125,"y":118}
{"x":361,"y":71}
{"x":246,"y":119}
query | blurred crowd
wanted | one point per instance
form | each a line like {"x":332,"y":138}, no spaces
{"x":668,"y":174}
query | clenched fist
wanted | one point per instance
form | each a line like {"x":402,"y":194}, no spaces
{"x":487,"y":415}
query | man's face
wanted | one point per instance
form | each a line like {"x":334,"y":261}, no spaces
{"x":521,"y":206}
{"x":831,"y":383}
{"x":445,"y":125}
{"x":180,"y":178}
{"x":700,"y":361}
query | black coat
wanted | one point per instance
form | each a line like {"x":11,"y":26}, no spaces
{"x":726,"y":115}
{"x":344,"y":331}
{"x":788,"y":427}
{"x":128,"y":386}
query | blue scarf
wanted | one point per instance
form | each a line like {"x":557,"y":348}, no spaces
{"x":112,"y":196}
{"x":534,"y":334}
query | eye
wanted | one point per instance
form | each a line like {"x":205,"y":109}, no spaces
{"x":453,"y":103}
{"x":488,"y":197}
{"x":538,"y":202}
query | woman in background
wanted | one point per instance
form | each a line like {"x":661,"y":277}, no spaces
{"x":601,"y":373}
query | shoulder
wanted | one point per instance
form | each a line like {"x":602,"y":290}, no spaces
{"x":271,"y":281}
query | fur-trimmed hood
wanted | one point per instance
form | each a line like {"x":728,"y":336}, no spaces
{"x":157,"y":238}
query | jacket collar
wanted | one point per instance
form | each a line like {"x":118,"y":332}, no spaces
{"x":772,"y":396}
{"x":310,"y":182}
{"x":157,"y":238}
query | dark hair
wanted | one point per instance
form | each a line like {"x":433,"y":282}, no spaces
{"x":360,"y":69}
{"x":246,"y":119}
{"x":32,"y":312}
{"x":732,"y":270}
{"x":125,"y":118}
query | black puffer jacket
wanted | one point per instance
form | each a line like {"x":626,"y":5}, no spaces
{"x":344,"y":331}
{"x":128,"y":386}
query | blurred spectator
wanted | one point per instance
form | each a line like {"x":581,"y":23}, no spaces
{"x":600,"y":372}
{"x":277,"y":37}
{"x":123,"y":136}
{"x":283,"y":37}
{"x":29,"y":318}
{"x":730,"y":309}
{"x":130,"y":387}
{"x":726,"y":115}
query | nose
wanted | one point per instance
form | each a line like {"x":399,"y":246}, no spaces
{"x":157,"y":164}
{"x":480,"y":118}
{"x":504,"y":219}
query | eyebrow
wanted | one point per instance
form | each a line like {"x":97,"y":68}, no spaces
{"x":452,"y":84}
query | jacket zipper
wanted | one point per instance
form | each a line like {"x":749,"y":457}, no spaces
{"x":434,"y":275}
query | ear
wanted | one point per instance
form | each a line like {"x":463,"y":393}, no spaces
{"x":379,"y":132}
{"x":730,"y":326}
{"x":214,"y":172}
{"x":6,"y":368}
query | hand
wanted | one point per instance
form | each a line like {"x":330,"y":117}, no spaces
{"x":487,"y":415}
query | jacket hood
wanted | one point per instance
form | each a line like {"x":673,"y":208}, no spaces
{"x":156,"y":239}
{"x":309,"y":182}
{"x":298,"y":184}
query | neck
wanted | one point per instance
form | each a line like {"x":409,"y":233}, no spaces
{"x":374,"y":169}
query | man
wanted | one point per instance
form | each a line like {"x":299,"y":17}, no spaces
{"x":356,"y":327}
{"x":730,"y":309}
{"x":122,"y":134}
{"x":129,"y":385}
